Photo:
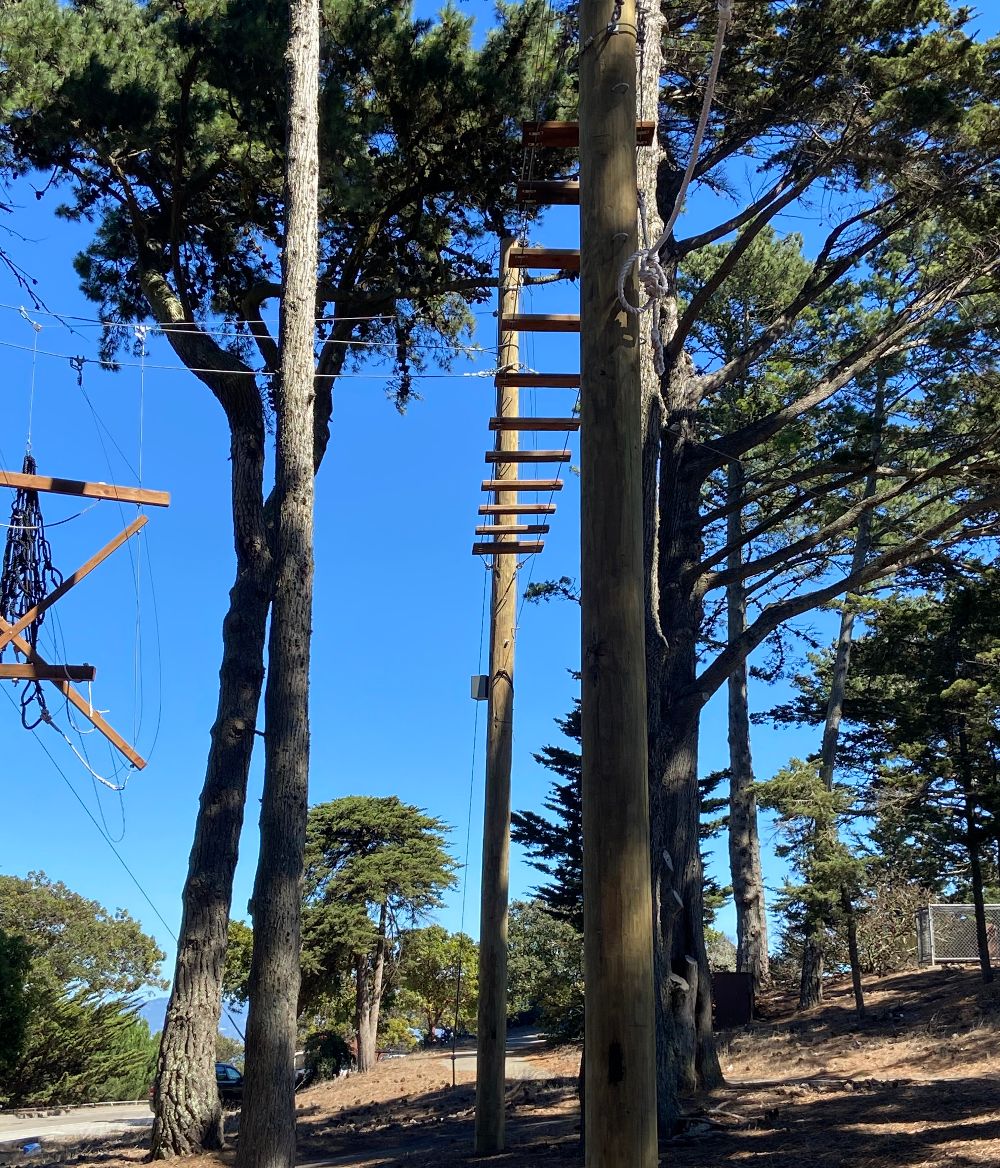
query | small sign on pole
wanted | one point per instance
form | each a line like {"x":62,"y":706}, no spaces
{"x":480,"y":687}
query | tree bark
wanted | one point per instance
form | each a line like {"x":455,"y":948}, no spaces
{"x":686,"y":1058}
{"x":744,"y":841}
{"x":370,"y":974}
{"x":187,"y":1112}
{"x":267,"y":1126}
{"x":811,"y":982}
{"x":851,"y":917}
{"x":975,"y":858}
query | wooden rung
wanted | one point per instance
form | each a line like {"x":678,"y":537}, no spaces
{"x":538,"y":380}
{"x":517,"y":509}
{"x":528,"y":456}
{"x":26,"y":671}
{"x":513,"y":529}
{"x":540,"y":322}
{"x":550,"y":192}
{"x":511,"y":547}
{"x":522,"y":485}
{"x":565,"y":424}
{"x":558,"y":259}
{"x":567,"y":134}
{"x":9,"y":478}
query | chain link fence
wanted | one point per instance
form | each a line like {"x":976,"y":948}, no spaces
{"x":946,"y":933}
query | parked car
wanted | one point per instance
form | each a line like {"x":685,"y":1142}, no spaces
{"x":229,"y":1082}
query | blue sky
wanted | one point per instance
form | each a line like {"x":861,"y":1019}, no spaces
{"x":399,"y":599}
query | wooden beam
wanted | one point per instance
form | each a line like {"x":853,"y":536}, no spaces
{"x":508,"y":548}
{"x":8,"y":478}
{"x":507,"y":456}
{"x":46,"y":602}
{"x":566,"y":424}
{"x":560,"y":259}
{"x":540,"y":322}
{"x":522,"y":485}
{"x":567,"y":134}
{"x":549,"y":192}
{"x":539,"y":380}
{"x":517,"y":509}
{"x":80,"y":702}
{"x":513,"y":529}
{"x":26,"y":671}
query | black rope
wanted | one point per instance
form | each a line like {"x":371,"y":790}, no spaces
{"x":27,"y":576}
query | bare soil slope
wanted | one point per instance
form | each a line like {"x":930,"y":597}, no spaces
{"x":916,"y":1084}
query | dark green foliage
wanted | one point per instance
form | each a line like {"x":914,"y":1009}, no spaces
{"x":15,"y":961}
{"x":327,"y":1055}
{"x":544,"y":971}
{"x":239,"y":952}
{"x":438,"y":971}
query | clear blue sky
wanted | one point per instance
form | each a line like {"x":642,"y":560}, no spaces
{"x":399,"y":600}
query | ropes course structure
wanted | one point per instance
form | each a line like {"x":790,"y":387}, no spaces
{"x":31,"y":584}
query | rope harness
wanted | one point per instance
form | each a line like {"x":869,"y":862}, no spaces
{"x":653,"y":277}
{"x":27,"y":576}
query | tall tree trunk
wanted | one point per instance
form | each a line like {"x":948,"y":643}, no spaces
{"x":972,"y":843}
{"x":744,"y":841}
{"x":267,"y":1127}
{"x":370,"y":973}
{"x":686,"y":1057}
{"x":188,"y":1115}
{"x":812,"y":990}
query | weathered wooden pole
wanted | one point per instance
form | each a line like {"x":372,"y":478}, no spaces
{"x":491,"y":1033}
{"x":620,"y":1102}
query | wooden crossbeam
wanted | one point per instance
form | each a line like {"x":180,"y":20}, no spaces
{"x":77,"y":700}
{"x":567,"y":134}
{"x":513,"y":529}
{"x":8,"y":635}
{"x":535,"y":424}
{"x":9,"y":478}
{"x":507,"y":547}
{"x":517,"y":509}
{"x":539,"y":380}
{"x":522,"y":484}
{"x":549,"y":192}
{"x":553,"y":258}
{"x":26,"y":671}
{"x":505,"y":456}
{"x":540,"y":322}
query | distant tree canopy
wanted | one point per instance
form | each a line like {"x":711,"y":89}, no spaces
{"x":76,"y":1036}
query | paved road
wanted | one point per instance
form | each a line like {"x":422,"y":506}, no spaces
{"x":519,"y":1043}
{"x":77,"y":1122}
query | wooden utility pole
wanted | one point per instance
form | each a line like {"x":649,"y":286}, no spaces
{"x":491,"y":1034}
{"x":267,"y":1126}
{"x":620,"y":1105}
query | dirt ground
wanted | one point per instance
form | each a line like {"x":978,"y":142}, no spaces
{"x":915,"y":1084}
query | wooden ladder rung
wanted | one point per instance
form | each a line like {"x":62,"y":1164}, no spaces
{"x":506,"y":456}
{"x":550,"y":192}
{"x":513,"y":529}
{"x":517,"y":509}
{"x":29,"y":671}
{"x":538,"y":380}
{"x":559,"y":259}
{"x":567,"y":134}
{"x":512,"y":485}
{"x":507,"y":547}
{"x":540,"y":322}
{"x":565,"y":424}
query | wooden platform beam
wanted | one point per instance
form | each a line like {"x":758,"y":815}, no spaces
{"x":517,"y":509}
{"x":26,"y":671}
{"x":506,"y":456}
{"x":549,"y":192}
{"x":522,"y":485}
{"x":568,"y":425}
{"x":540,"y":322}
{"x":46,"y":602}
{"x":85,"y":708}
{"x":508,"y":548}
{"x":539,"y":380}
{"x":112,"y":491}
{"x":567,"y":134}
{"x":513,"y":529}
{"x":556,"y":259}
